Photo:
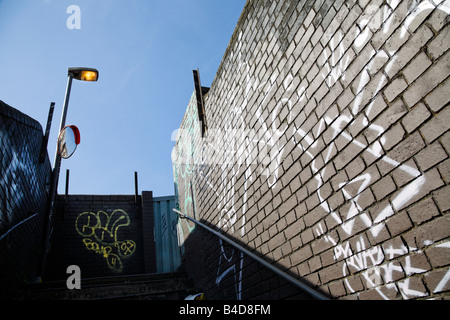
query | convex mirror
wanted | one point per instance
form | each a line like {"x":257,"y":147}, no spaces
{"x":68,"y":140}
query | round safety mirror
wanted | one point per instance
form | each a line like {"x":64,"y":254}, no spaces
{"x":68,"y":140}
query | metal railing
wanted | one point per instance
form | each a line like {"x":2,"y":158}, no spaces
{"x":17,"y":225}
{"x":279,"y":272}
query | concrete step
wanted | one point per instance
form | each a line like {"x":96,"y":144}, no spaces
{"x":165,"y":286}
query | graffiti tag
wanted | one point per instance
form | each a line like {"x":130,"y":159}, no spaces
{"x":100,"y":232}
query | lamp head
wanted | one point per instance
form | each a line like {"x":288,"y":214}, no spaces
{"x":84,"y":74}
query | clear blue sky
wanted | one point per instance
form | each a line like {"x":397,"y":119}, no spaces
{"x":145,"y":51}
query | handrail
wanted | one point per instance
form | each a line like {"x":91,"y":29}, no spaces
{"x":281,"y":273}
{"x":16,"y":225}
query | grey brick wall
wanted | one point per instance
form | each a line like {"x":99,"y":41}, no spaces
{"x":24,"y":187}
{"x":327,"y":151}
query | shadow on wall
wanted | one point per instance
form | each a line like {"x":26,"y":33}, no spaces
{"x":223,"y":272}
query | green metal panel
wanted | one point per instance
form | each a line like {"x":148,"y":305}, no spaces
{"x":168,"y":257}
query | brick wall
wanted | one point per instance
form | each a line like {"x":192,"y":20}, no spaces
{"x":24,"y":187}
{"x":105,"y":235}
{"x":326,"y":152}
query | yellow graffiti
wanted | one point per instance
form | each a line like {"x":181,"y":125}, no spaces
{"x":100,"y":235}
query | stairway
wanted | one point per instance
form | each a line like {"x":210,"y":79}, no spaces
{"x":164,"y":286}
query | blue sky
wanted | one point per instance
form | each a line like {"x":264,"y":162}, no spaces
{"x":145,"y":51}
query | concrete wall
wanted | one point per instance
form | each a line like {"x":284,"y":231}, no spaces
{"x":326,"y":152}
{"x":24,"y":187}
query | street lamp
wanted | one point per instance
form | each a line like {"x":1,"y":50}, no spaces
{"x":83,"y":74}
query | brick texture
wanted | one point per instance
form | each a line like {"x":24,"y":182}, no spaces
{"x":24,"y":187}
{"x":105,"y":235}
{"x":326,"y":152}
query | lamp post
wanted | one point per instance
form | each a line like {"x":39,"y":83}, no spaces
{"x":83,"y":74}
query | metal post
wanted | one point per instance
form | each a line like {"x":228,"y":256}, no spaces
{"x":67,"y":184}
{"x":62,"y":123}
{"x":136,"y":189}
{"x":57,"y":162}
{"x":47,"y":134}
{"x":136,"y":195}
{"x":55,"y":177}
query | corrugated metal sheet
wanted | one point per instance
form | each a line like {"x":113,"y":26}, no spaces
{"x":168,"y":257}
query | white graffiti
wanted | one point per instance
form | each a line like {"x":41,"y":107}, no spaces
{"x":363,"y":95}
{"x":369,"y":261}
{"x":12,"y":180}
{"x":286,"y":122}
